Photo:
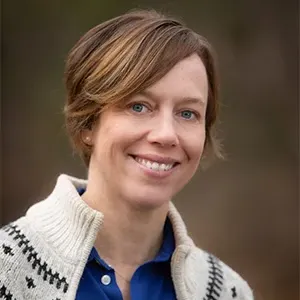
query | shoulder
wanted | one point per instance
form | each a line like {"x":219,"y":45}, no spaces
{"x":29,"y":268}
{"x":221,"y":281}
{"x":21,"y":267}
{"x":11,"y":241}
{"x":12,"y":263}
{"x":235,"y":285}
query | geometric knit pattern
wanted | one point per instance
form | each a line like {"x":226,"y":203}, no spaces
{"x":43,"y":254}
{"x":20,"y":245}
{"x":215,"y":279}
{"x":31,"y":255}
{"x":4,"y":294}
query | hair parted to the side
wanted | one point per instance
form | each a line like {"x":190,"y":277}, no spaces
{"x":124,"y":56}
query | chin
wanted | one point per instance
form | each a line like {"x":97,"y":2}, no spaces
{"x":149,"y":201}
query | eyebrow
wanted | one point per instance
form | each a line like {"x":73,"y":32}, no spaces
{"x":196,"y":100}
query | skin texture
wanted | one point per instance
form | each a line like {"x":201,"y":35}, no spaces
{"x":167,"y":121}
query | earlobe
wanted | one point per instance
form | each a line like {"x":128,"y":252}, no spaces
{"x":87,"y":137}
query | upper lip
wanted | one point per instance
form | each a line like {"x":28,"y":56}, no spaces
{"x":157,"y":158}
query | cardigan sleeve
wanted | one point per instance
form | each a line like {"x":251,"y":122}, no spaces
{"x":10,"y":268}
{"x":236,"y":287}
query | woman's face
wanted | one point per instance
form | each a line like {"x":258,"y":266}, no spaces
{"x":147,"y":150}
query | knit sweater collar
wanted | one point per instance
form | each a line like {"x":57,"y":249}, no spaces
{"x":70,"y":226}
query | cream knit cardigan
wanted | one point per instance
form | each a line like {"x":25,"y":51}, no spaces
{"x":43,"y":254}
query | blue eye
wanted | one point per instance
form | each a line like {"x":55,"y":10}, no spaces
{"x":187,"y":114}
{"x":138,"y":107}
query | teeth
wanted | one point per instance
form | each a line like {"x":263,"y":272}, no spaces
{"x":153,"y":165}
{"x":162,"y":167}
{"x":147,"y":164}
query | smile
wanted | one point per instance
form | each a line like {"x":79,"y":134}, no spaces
{"x":154,"y":165}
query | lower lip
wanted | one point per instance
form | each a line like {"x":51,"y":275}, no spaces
{"x":153,"y":173}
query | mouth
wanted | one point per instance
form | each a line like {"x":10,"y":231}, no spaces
{"x":158,"y":165}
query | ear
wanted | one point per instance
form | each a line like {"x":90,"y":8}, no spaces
{"x":87,"y":137}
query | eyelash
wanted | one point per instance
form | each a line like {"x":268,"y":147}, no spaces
{"x":195,"y":113}
{"x":131,"y":105}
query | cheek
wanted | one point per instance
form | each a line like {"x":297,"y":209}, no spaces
{"x":196,"y":153}
{"x":194,"y":145}
{"x":113,"y":141}
{"x":104,"y":140}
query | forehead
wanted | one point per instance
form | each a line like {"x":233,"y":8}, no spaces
{"x":187,"y":79}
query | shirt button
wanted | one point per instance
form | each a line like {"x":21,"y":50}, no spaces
{"x":105,"y":279}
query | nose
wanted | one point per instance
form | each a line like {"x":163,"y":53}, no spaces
{"x":163,"y":132}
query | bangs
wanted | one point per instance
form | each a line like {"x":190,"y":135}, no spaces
{"x":139,"y":59}
{"x":122,"y":57}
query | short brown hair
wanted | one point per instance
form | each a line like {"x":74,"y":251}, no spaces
{"x":124,"y":56}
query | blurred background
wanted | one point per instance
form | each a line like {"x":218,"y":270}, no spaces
{"x":245,"y":209}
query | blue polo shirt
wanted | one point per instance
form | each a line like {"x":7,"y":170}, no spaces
{"x":152,"y":280}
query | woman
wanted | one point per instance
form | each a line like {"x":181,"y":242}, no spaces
{"x":142,"y":101}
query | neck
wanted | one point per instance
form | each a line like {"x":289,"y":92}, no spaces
{"x":129,"y":236}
